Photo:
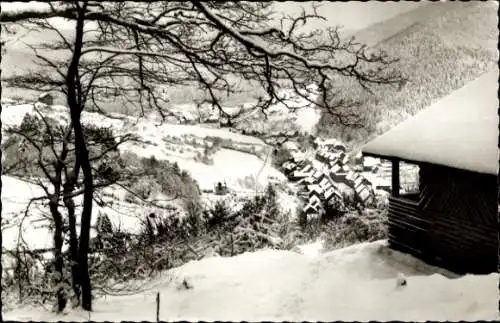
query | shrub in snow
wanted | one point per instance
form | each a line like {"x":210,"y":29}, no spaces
{"x":168,"y":240}
{"x":30,"y":277}
{"x":401,"y":280}
{"x":221,"y":189}
{"x":144,"y":187}
{"x":46,"y":98}
{"x":217,"y":215}
{"x":280,"y":156}
{"x":381,"y":199}
{"x":247,"y":182}
{"x":346,"y":230}
{"x":185,"y":284}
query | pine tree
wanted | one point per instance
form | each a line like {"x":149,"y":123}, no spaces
{"x":106,"y":225}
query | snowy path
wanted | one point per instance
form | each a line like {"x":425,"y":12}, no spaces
{"x":356,"y":283}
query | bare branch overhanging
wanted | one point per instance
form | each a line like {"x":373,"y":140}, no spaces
{"x":233,"y":39}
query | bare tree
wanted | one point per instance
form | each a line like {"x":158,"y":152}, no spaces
{"x":50,"y":145}
{"x":137,"y":51}
{"x":48,"y":157}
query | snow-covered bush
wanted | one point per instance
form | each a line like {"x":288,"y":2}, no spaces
{"x":260,"y":223}
{"x":353,"y":228}
{"x":169,"y":240}
{"x":25,"y":277}
{"x":350,"y":225}
{"x":145,"y":187}
{"x":280,"y":156}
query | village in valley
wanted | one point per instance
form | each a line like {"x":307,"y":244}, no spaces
{"x":330,"y":176}
{"x":326,"y":178}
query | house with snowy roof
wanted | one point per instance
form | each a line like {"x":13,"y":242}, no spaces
{"x":325,"y":184}
{"x":46,"y":98}
{"x":370,"y":164}
{"x":335,"y":168}
{"x":360,"y":180}
{"x":314,"y":205}
{"x":318,"y":142}
{"x":351,"y":177}
{"x":329,"y":157}
{"x":334,"y":144}
{"x":364,"y":193}
{"x":290,"y":146}
{"x":345,"y":175}
{"x":315,"y":190}
{"x":452,"y":221}
{"x":322,"y":154}
{"x":306,"y":171}
{"x":318,"y":175}
{"x":288,"y":167}
{"x":343,"y":158}
{"x":330,"y":193}
{"x":307,"y":181}
{"x":297,"y":156}
{"x":338,"y":172}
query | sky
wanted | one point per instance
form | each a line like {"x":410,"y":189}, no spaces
{"x":352,"y":15}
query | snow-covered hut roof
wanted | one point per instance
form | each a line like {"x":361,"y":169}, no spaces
{"x":290,"y":145}
{"x":459,"y":131}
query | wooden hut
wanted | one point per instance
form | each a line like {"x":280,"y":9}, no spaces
{"x":452,"y":221}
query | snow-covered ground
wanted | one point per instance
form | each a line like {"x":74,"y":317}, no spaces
{"x":15,"y":198}
{"x":237,"y":168}
{"x":355,"y":283}
{"x":308,"y":118}
{"x":33,"y":228}
{"x":234,"y":167}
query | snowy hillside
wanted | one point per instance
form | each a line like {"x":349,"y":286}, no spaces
{"x":358,"y":283}
{"x":241,"y":161}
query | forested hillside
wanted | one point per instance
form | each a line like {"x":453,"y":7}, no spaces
{"x":441,"y":47}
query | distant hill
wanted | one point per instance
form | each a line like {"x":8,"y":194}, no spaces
{"x":441,"y":47}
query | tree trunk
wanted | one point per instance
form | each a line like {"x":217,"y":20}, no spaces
{"x":75,"y":104}
{"x":19,"y":274}
{"x":73,"y":240}
{"x":83,"y":156}
{"x":58,"y":257}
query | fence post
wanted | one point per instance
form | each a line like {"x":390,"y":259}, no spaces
{"x":157,"y":306}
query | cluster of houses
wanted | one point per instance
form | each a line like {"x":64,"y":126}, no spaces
{"x":322,"y":180}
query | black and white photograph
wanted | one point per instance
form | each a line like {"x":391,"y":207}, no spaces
{"x":249,"y":161}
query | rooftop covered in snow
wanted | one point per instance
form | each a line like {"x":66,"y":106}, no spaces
{"x":459,"y":131}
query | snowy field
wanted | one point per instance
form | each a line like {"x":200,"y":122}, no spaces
{"x":355,"y":283}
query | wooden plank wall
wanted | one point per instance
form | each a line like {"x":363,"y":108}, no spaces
{"x":407,"y":228}
{"x":453,"y":223}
